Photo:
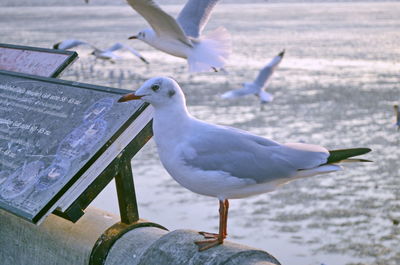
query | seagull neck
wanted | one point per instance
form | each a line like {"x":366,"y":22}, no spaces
{"x":170,"y":117}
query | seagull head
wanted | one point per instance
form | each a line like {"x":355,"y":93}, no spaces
{"x":143,"y":35}
{"x":158,"y":91}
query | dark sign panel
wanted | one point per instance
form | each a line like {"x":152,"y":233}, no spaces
{"x":51,"y":132}
{"x":35,"y":61}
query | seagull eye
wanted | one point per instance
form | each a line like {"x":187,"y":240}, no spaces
{"x":155,"y":87}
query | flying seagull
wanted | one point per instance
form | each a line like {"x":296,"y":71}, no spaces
{"x":257,"y":86}
{"x":108,"y":54}
{"x":225,"y":162}
{"x":105,"y":54}
{"x":397,"y":113}
{"x":182,"y":37}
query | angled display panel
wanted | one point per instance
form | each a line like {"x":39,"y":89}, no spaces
{"x":54,"y":137}
{"x":35,"y":61}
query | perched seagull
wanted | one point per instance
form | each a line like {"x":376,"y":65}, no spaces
{"x":108,"y":54}
{"x":257,"y":87}
{"x":182,"y":37}
{"x":225,"y":162}
{"x":397,"y":113}
{"x":69,"y":44}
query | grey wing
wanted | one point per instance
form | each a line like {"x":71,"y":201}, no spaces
{"x":137,"y":54}
{"x":195,"y":15}
{"x":266,"y":72}
{"x":115,"y":47}
{"x":161,"y":22}
{"x":118,"y":46}
{"x":251,"y":157}
{"x":247,"y":89}
{"x":264,"y":75}
{"x":70,"y":43}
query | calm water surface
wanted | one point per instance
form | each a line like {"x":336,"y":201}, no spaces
{"x":335,"y":87}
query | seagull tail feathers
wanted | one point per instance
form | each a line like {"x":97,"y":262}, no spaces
{"x":323,"y":169}
{"x":210,"y":52}
{"x":335,"y":156}
{"x":344,"y":155}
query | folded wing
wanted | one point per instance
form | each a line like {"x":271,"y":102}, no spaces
{"x":248,"y":156}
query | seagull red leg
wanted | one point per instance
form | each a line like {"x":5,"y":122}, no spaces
{"x":216,"y":239}
{"x":226,"y":204}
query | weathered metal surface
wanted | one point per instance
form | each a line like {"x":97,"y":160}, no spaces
{"x":148,"y":246}
{"x":96,"y":239}
{"x":55,"y":242}
{"x":178,"y":248}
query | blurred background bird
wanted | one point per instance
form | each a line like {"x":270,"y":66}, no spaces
{"x":397,"y":113}
{"x":257,"y":87}
{"x":104,"y":54}
{"x":182,"y":37}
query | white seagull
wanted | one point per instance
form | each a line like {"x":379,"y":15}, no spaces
{"x":257,"y":87}
{"x":397,"y":113}
{"x":225,"y":162}
{"x":108,"y":54}
{"x":182,"y":37}
{"x":105,"y":54}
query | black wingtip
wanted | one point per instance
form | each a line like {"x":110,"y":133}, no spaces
{"x":282,"y":53}
{"x":343,"y":154}
{"x":357,"y":160}
{"x":144,"y":60}
{"x":55,"y":46}
{"x":366,"y":160}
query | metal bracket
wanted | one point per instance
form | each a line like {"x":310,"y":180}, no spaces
{"x":103,"y":245}
{"x":121,"y":169}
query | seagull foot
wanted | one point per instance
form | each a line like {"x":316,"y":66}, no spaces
{"x":213,"y":240}
{"x":207,"y":244}
{"x":208,"y":235}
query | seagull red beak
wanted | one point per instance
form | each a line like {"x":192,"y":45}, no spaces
{"x":128,"y":97}
{"x":132,"y":37}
